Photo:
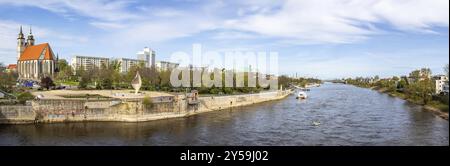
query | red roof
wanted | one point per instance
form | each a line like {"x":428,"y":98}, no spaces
{"x":12,"y":66}
{"x":35,"y":52}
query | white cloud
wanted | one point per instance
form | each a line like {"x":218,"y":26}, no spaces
{"x":10,"y":29}
{"x":337,"y":21}
{"x":98,"y":9}
{"x":107,"y":25}
{"x":289,"y":21}
{"x":415,"y":15}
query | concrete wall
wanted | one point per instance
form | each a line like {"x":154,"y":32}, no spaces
{"x":224,"y":102}
{"x":71,"y":110}
{"x":16,"y":114}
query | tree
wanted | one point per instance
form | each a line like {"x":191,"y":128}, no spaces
{"x":65,"y":71}
{"x":47,"y":82}
{"x":106,"y":83}
{"x":86,"y":77}
{"x":83,"y":82}
{"x":425,"y":90}
{"x":415,"y":74}
{"x":425,"y":73}
{"x":402,"y":84}
{"x":7,"y":79}
{"x":114,"y":69}
{"x":376,"y":78}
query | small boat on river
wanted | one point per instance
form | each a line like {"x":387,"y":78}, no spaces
{"x":301,"y":95}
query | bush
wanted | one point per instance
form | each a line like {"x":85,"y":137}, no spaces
{"x":23,"y":97}
{"x":47,"y":82}
{"x":227,"y":90}
{"x":215,"y":91}
{"x":106,"y":83}
{"x":83,"y":83}
{"x":441,"y":98}
{"x":147,"y":102}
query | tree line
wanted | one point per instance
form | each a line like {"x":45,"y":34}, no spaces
{"x":108,"y":76}
{"x":418,"y":86}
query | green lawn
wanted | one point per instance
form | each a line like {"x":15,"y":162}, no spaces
{"x":70,"y":83}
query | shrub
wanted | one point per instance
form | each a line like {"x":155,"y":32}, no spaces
{"x":147,"y":102}
{"x":23,"y":97}
{"x":47,"y":82}
{"x":106,"y":83}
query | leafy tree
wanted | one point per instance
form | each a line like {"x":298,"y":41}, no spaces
{"x":106,"y":83}
{"x":402,"y":84}
{"x":7,"y":80}
{"x":425,"y":90}
{"x":83,"y":82}
{"x":377,"y":78}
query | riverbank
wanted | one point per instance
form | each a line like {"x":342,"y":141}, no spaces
{"x":54,"y":110}
{"x":434,"y":108}
{"x":346,"y":113}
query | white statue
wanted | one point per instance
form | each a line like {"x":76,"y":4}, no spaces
{"x":136,"y":83}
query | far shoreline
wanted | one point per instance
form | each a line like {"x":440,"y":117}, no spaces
{"x":434,"y":110}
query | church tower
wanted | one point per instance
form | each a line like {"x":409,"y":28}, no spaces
{"x":30,"y":40}
{"x":20,"y":43}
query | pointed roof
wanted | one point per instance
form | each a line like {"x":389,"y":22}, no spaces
{"x":37,"y":52}
{"x":20,"y":33}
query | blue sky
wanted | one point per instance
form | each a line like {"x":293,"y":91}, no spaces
{"x":324,"y":39}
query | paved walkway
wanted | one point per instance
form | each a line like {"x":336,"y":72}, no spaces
{"x":120,"y":94}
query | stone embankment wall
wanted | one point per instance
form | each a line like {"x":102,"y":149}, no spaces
{"x":224,"y":102}
{"x":130,"y":110}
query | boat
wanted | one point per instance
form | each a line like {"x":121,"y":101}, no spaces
{"x":316,"y":123}
{"x":301,"y":95}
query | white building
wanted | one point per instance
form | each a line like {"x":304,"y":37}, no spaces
{"x":126,"y":64}
{"x":441,"y":82}
{"x":148,"y":55}
{"x":164,"y":65}
{"x":88,"y":62}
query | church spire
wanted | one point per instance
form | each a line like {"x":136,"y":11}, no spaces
{"x":30,"y":40}
{"x":20,"y":33}
{"x":20,"y":43}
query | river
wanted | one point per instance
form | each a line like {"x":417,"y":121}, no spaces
{"x":348,"y":115}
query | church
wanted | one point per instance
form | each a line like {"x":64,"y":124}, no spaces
{"x":34,"y":61}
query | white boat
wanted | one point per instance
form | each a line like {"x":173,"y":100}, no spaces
{"x":316,"y":123}
{"x":301,"y":95}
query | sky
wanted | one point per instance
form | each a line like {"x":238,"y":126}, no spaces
{"x":325,"y":39}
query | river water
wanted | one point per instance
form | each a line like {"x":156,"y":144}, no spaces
{"x":348,"y":116}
